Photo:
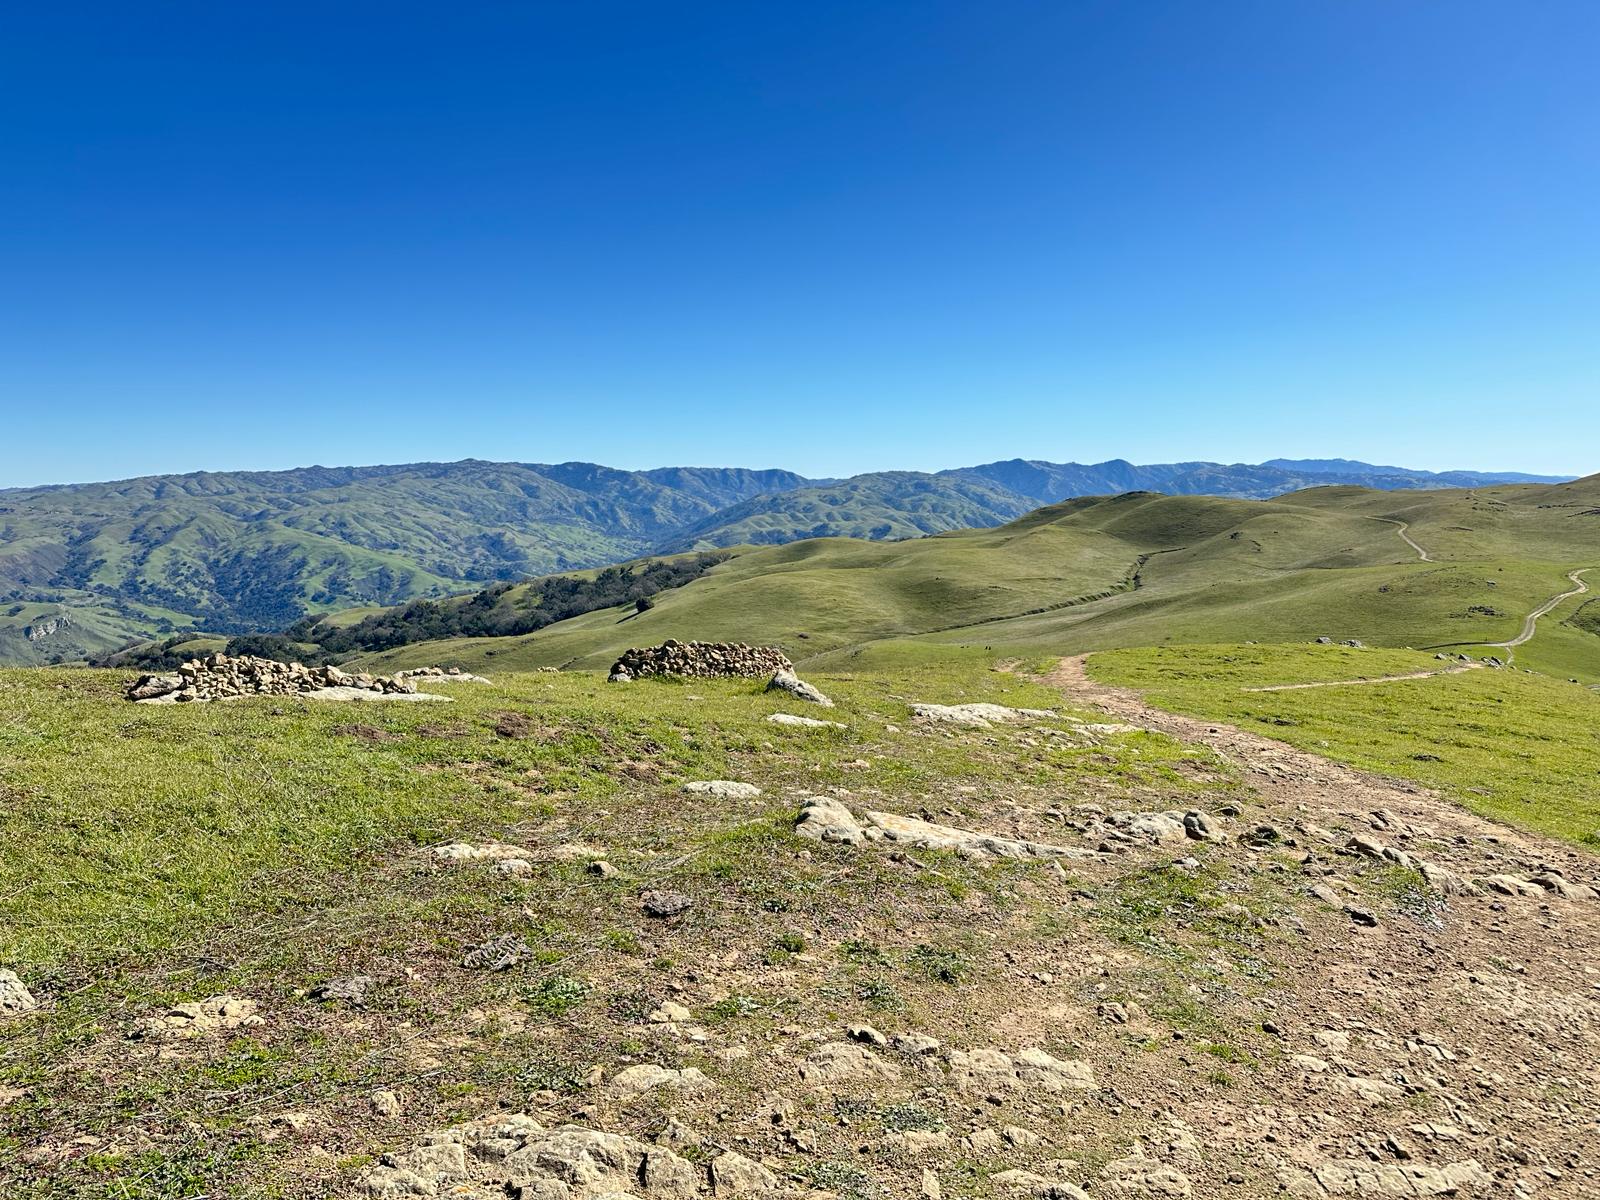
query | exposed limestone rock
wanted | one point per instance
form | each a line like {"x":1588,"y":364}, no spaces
{"x":198,"y":1018}
{"x":706,"y":660}
{"x":1030,"y":1070}
{"x":925,"y":835}
{"x":516,"y":1155}
{"x":732,"y":1174}
{"x":836,"y":1062}
{"x":1359,"y":1177}
{"x":441,"y":674}
{"x":485,"y":852}
{"x":219,"y":677}
{"x":803,"y":722}
{"x":14,"y":994}
{"x":1139,"y":1176}
{"x":788,"y":681}
{"x":826,"y":820}
{"x":980,"y":715}
{"x":647,"y":1077}
{"x":723,"y":789}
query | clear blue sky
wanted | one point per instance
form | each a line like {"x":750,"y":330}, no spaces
{"x":827,"y":236}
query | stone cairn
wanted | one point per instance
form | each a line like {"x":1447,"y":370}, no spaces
{"x":705,"y":660}
{"x":218,"y":677}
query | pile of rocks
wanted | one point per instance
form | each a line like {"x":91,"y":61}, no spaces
{"x":706,"y":660}
{"x":219,"y":677}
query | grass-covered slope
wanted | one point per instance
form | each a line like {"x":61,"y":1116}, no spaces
{"x":1515,"y":746}
{"x":237,"y":552}
{"x":249,"y":551}
{"x":820,"y":595}
{"x":1138,"y":569}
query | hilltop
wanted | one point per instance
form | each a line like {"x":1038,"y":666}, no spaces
{"x":667,"y":940}
{"x":1136,"y":569}
{"x":85,"y":569}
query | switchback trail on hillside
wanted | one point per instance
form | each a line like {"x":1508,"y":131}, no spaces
{"x":1529,"y":625}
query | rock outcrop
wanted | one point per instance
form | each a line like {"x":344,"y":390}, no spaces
{"x":788,"y":681}
{"x":702,"y":660}
{"x":502,"y":1153}
{"x":442,"y":674}
{"x":14,"y":994}
{"x":220,"y":677}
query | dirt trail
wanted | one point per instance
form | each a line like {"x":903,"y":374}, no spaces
{"x":1296,"y":687}
{"x":1529,"y":626}
{"x":1401,"y":527}
{"x":1447,"y":1035}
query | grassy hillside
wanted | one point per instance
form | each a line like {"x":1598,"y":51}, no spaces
{"x":1138,"y":569}
{"x":255,"y":551}
{"x":1516,"y":747}
{"x":249,"y":551}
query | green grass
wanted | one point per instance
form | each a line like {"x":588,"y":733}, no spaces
{"x":1131,"y":570}
{"x":160,"y":854}
{"x":1511,"y":745}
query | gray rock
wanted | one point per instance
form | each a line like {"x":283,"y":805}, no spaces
{"x":516,"y":1155}
{"x":723,"y":789}
{"x":351,"y":990}
{"x":732,"y":1174}
{"x":648,"y":1077}
{"x":926,"y":835}
{"x":826,"y":820}
{"x":979,"y":715}
{"x":660,"y":902}
{"x":497,"y":954}
{"x":802,"y":722}
{"x":14,"y":994}
{"x":788,"y":681}
{"x":384,"y":1103}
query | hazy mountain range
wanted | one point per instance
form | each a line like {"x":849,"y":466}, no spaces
{"x":87,"y":567}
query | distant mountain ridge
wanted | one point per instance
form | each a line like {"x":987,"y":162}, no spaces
{"x":251,"y":550}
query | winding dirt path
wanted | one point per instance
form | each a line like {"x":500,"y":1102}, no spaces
{"x":1296,"y":687}
{"x":1532,"y":621}
{"x":1401,"y":527}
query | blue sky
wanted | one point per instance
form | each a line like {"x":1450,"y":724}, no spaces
{"x":832,"y":236}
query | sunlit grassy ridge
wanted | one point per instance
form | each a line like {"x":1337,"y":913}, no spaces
{"x":1509,"y":744}
{"x":1138,"y":569}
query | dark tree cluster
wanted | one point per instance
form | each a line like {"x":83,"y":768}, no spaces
{"x":489,"y":614}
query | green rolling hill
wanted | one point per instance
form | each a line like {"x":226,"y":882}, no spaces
{"x":1137,"y":569}
{"x":89,"y":568}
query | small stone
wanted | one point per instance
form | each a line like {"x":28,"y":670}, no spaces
{"x":384,"y":1103}
{"x":351,"y":990}
{"x":497,"y":954}
{"x":659,"y":902}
